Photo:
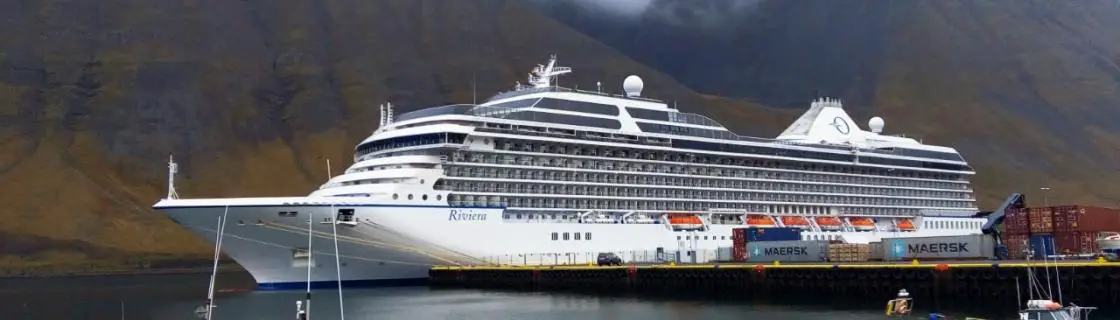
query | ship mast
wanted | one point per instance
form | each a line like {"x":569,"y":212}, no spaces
{"x":172,"y":169}
{"x":544,"y":76}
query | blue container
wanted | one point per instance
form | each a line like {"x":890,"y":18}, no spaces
{"x":1042,"y":245}
{"x":773,"y":234}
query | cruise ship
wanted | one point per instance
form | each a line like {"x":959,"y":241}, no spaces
{"x":543,"y":174}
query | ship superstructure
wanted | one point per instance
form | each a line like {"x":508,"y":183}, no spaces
{"x":545,"y":170}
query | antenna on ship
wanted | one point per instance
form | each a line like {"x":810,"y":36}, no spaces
{"x":172,"y":169}
{"x":381,"y":111}
{"x":543,"y":76}
{"x":388,"y":113}
{"x":474,"y":89}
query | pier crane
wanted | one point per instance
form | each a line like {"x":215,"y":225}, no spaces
{"x":995,"y":218}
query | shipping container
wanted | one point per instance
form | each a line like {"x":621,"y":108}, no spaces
{"x":876,"y":251}
{"x":1042,"y":245}
{"x":1076,"y":242}
{"x":787,"y":251}
{"x":1017,"y":245}
{"x":952,"y":247}
{"x":773,"y":234}
{"x":1041,"y":220}
{"x":1016,"y":222}
{"x":739,"y":254}
{"x":1086,"y":219}
{"x":849,"y":252}
{"x":724,"y":254}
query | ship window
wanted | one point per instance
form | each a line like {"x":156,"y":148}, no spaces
{"x":424,"y":197}
{"x":576,"y":235}
{"x":555,"y":236}
{"x":438,"y":197}
{"x":564,"y":119}
{"x":421,"y":181}
{"x":678,"y":237}
{"x":648,"y":114}
{"x":395,"y":196}
{"x":578,"y":106}
{"x":587,"y":236}
{"x":409,"y":196}
{"x":565,"y":236}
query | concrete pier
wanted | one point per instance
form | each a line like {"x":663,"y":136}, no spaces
{"x":1091,"y":283}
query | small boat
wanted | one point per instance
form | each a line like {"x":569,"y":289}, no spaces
{"x":1109,"y":241}
{"x":900,"y":305}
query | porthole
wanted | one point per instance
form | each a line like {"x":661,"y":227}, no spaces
{"x":424,"y":197}
{"x":395,"y":196}
{"x":439,"y":197}
{"x":421,"y":181}
{"x":409,"y":196}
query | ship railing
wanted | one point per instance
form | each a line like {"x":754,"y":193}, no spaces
{"x":676,"y":255}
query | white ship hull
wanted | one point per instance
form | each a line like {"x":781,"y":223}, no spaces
{"x":396,"y":244}
{"x":264,"y":244}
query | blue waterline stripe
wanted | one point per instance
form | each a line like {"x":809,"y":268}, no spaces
{"x":302,"y":285}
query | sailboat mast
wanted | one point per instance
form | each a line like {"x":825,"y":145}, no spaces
{"x":337,"y":264}
{"x":310,"y":262}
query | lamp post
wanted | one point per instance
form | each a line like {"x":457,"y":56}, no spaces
{"x":1045,"y":195}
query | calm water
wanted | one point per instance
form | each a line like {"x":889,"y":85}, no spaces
{"x":175,"y":297}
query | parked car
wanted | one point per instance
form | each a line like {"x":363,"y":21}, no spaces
{"x":609,"y":259}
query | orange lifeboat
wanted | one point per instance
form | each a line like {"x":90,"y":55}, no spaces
{"x":685,"y":221}
{"x":795,"y":221}
{"x":906,"y":225}
{"x":862,"y":223}
{"x":829,"y":223}
{"x":760,"y":221}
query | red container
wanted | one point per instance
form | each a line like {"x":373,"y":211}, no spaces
{"x":739,"y":244}
{"x":1016,"y":244}
{"x":1076,"y":242}
{"x":1086,"y":219}
{"x":1015,"y":221}
{"x":1041,"y":220}
{"x":739,"y":253}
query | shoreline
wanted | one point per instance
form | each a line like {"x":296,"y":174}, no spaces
{"x":32,"y":273}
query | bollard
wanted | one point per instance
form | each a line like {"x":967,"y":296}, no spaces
{"x":914,"y":262}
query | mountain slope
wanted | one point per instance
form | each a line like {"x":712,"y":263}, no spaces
{"x":1026,"y":90}
{"x":250,"y":96}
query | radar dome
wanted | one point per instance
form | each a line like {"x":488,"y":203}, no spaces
{"x":633,"y":86}
{"x":876,"y":124}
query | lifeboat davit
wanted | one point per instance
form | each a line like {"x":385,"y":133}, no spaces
{"x":906,"y":225}
{"x":829,"y":223}
{"x":795,"y":222}
{"x":685,"y":221}
{"x":760,"y":221}
{"x":862,"y":223}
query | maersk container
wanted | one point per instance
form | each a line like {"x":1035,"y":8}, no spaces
{"x":773,"y":234}
{"x":975,"y":246}
{"x":1042,"y":245}
{"x":787,"y":251}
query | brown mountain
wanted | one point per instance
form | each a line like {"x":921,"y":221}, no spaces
{"x":250,"y":96}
